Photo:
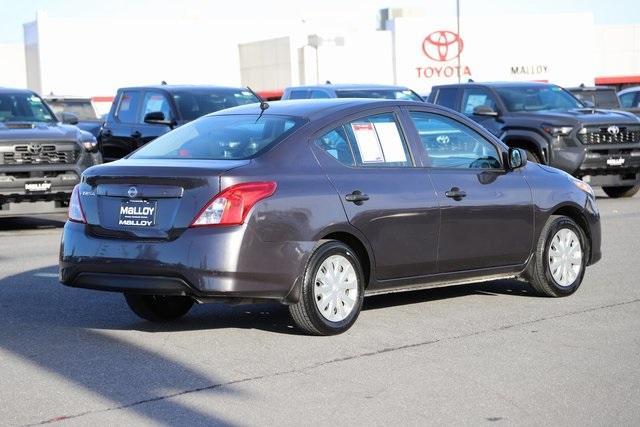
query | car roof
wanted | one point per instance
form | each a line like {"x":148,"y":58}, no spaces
{"x":171,"y":88}
{"x":499,"y":84}
{"x":14,"y":90}
{"x":348,"y":86}
{"x":313,"y":109}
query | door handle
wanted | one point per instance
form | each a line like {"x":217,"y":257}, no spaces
{"x":357,"y":197}
{"x":455,"y":193}
{"x":136,"y":134}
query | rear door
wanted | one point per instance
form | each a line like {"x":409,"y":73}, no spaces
{"x":152,"y":101}
{"x":117,"y":138}
{"x":390,"y":201}
{"x":486,"y":212}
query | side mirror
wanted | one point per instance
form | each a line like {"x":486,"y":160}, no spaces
{"x":157,"y":118}
{"x":484,"y":110}
{"x":588,"y":104}
{"x":517,"y":158}
{"x":69,"y":118}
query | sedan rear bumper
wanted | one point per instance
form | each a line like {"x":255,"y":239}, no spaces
{"x":203,"y":263}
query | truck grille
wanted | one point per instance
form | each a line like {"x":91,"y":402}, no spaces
{"x":36,"y":154}
{"x":602,"y":135}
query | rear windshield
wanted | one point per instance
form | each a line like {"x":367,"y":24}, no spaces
{"x":82,"y":109}
{"x":231,"y":137}
{"x":194,"y":104}
{"x":379,"y":93}
{"x":599,"y":98}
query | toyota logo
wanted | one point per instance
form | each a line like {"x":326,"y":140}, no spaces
{"x":442,"y":139}
{"x":442,"y":45}
{"x":34,"y":148}
{"x":133,"y":192}
{"x":613,"y":130}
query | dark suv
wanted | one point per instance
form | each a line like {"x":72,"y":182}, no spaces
{"x":601,"y":147}
{"x":41,"y":159}
{"x":141,"y":114}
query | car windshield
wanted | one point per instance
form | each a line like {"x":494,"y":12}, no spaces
{"x":230,"y":137}
{"x":24,"y":107}
{"x":537,"y":98}
{"x":197,"y":103}
{"x":82,"y":109}
{"x":405,"y":94}
{"x":599,"y":98}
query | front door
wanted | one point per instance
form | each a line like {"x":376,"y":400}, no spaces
{"x":486,"y":211}
{"x":384,"y":196}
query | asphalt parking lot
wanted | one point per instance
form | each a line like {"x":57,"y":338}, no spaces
{"x":482,"y":353}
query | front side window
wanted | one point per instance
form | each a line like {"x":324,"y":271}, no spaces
{"x":626,"y":100}
{"x":155,"y":102}
{"x":476,"y":97}
{"x":335,"y":143}
{"x":230,"y":137}
{"x":378,"y":141}
{"x":319,"y":94}
{"x":24,"y":107}
{"x":128,"y":106}
{"x":197,"y":103}
{"x":450,"y":144}
{"x":537,"y":98}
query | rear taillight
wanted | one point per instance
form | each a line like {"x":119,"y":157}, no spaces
{"x":75,"y":208}
{"x":231,"y":206}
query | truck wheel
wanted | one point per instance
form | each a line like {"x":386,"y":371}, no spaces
{"x":558,"y":265}
{"x":531,"y":156}
{"x":622,"y":191}
{"x":159,"y":308}
{"x":332,"y":291}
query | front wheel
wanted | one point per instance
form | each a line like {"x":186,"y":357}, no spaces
{"x":332,"y":291}
{"x":560,"y":260}
{"x":621,"y":191}
{"x":159,"y":308}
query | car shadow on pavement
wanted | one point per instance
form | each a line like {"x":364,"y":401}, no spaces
{"x":65,"y":333}
{"x":31,"y":223}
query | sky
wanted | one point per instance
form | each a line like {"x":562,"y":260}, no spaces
{"x":351,"y":13}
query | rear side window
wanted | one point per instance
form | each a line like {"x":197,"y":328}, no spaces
{"x":446,"y":97}
{"x":299,"y":94}
{"x":378,"y":141}
{"x":451,"y":144}
{"x":336,"y":144}
{"x":319,"y":94}
{"x":128,"y":106}
{"x":155,"y":102}
{"x":229,"y":137}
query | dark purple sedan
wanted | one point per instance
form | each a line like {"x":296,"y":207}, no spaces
{"x":316,"y":204}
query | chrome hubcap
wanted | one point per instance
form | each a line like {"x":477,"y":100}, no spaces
{"x":565,"y":257}
{"x":335,"y":288}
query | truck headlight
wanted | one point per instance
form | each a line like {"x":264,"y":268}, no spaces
{"x":90,"y":144}
{"x":557,"y":130}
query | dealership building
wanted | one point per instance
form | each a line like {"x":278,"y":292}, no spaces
{"x":408,"y":47}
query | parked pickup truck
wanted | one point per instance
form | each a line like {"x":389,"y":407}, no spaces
{"x":602,"y":147}
{"x":41,"y":159}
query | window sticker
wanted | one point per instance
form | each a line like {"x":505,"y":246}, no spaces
{"x":474,"y":101}
{"x":391,"y":142}
{"x":368,"y":145}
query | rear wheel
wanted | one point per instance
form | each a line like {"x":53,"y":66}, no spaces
{"x":560,"y":259}
{"x":621,"y":191}
{"x":332,"y":291}
{"x":159,"y":308}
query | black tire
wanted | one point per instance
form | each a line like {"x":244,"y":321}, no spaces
{"x":159,"y":308}
{"x":539,"y":272}
{"x":305,"y":312}
{"x":622,"y":191}
{"x":532,"y":157}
